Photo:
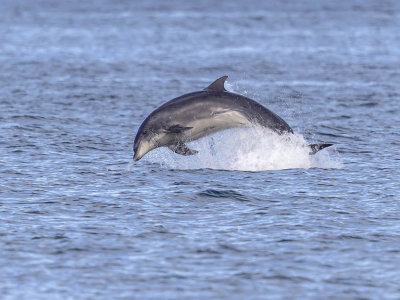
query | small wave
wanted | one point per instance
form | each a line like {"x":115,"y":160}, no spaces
{"x":28,"y":117}
{"x":230,"y":194}
{"x":369,"y":104}
{"x":248,"y":149}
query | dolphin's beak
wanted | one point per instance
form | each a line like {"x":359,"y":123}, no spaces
{"x":136,"y":156}
{"x":142,"y":148}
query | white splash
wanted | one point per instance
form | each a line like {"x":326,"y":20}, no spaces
{"x":248,"y":149}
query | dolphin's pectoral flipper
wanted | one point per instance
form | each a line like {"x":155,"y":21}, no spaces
{"x":317,"y":147}
{"x":182,"y":149}
{"x":176,"y":129}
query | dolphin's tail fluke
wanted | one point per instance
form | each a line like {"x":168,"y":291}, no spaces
{"x":317,"y":147}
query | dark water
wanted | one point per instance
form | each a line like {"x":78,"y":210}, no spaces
{"x":246,"y":218}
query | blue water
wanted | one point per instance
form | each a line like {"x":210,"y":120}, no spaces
{"x":246,"y":218}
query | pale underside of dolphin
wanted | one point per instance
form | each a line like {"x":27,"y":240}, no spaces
{"x":195,"y":115}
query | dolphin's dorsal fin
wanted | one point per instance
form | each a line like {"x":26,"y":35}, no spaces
{"x":218,"y":85}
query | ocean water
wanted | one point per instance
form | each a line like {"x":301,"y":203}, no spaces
{"x":252,"y":216}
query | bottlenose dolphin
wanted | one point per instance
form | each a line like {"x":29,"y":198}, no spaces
{"x":195,"y":115}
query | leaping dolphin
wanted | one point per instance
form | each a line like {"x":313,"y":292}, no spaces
{"x":195,"y":115}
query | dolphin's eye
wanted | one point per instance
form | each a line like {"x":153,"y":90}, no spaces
{"x":145,"y":132}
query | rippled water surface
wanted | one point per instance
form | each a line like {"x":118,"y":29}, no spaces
{"x":249,"y":217}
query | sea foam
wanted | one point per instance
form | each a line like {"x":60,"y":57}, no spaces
{"x":248,"y":149}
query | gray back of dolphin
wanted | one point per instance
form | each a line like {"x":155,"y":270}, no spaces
{"x":212,"y":102}
{"x":195,"y":115}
